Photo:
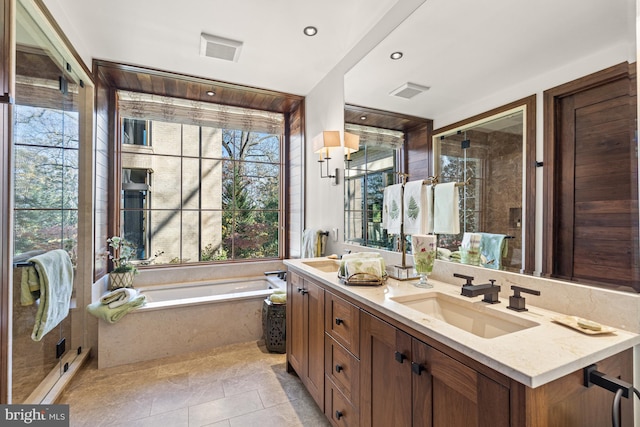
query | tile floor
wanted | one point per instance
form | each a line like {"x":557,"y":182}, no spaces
{"x":238,"y":385}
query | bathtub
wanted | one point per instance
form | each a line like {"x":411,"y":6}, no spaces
{"x":186,"y":317}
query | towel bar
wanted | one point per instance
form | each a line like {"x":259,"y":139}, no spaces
{"x":19,"y":264}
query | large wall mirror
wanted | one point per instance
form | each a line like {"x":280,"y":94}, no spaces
{"x":492,"y":154}
{"x":478,"y":72}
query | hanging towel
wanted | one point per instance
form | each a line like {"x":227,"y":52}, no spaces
{"x":392,"y":209}
{"x":417,"y":208}
{"x":493,"y":248}
{"x":112,"y":315}
{"x":446,"y":216}
{"x":55,"y":276}
{"x":309,"y":243}
{"x":29,"y":286}
{"x":470,"y":248}
{"x":321,"y":243}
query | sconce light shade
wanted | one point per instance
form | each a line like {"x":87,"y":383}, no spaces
{"x":325,"y":141}
{"x":351,"y":144}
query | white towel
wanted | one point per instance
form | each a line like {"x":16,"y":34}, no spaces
{"x":418,"y":217}
{"x":471,"y":240}
{"x":392,"y":209}
{"x":309,"y":243}
{"x":446,"y":216}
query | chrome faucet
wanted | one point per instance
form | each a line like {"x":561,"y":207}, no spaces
{"x":490,"y":290}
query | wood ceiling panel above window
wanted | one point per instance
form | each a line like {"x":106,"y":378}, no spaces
{"x":156,"y":82}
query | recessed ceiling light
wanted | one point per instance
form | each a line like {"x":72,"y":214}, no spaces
{"x":363,"y":117}
{"x":310,"y":31}
{"x":396,"y":55}
{"x":211,"y":93}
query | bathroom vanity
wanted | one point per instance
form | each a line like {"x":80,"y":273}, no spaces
{"x":402,"y":356}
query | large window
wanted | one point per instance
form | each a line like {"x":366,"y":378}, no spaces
{"x":204,"y":185}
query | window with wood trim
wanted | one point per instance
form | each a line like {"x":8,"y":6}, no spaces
{"x":200,"y":182}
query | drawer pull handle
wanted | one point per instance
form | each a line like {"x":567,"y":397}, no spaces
{"x":339,"y":368}
{"x":339,"y":321}
{"x":338,"y":415}
{"x":417,"y":368}
{"x":400,"y":357}
{"x":303,"y":291}
{"x":299,"y":289}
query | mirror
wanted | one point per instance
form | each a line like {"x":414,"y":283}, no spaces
{"x":487,"y":156}
{"x":492,"y":54}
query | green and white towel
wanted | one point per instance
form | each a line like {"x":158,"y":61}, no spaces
{"x":418,"y":218}
{"x":392,"y":208}
{"x":362,"y":262}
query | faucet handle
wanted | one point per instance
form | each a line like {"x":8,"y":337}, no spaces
{"x":516,"y":302}
{"x":469,"y":279}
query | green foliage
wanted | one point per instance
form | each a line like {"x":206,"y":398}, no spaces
{"x":121,"y":253}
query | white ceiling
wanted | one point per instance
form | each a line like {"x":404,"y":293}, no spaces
{"x":465,"y":50}
{"x":462,"y":49}
{"x":165,"y":34}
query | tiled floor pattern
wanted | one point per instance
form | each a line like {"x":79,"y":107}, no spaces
{"x":240,"y":385}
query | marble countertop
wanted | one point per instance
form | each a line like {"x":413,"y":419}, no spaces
{"x":533,"y":356}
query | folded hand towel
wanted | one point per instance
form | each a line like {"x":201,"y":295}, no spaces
{"x":112,"y":315}
{"x":119,"y":297}
{"x":55,"y":274}
{"x":493,"y":248}
{"x":417,"y":208}
{"x":391,"y":208}
{"x":357,"y":256}
{"x":446,"y":216}
{"x":370,"y":266}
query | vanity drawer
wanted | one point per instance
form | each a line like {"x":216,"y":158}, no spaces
{"x":342,"y":368}
{"x":342,"y":322}
{"x":338,"y":408}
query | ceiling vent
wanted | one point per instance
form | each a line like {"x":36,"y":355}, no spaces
{"x":219,"y":47}
{"x":408,"y":90}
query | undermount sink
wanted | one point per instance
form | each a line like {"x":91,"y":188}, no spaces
{"x":325,"y":265}
{"x":469,"y":316}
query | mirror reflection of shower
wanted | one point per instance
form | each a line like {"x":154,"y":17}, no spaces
{"x":489,"y":155}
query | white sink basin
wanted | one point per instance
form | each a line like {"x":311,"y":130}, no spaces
{"x":324,"y":265}
{"x":470,"y":316}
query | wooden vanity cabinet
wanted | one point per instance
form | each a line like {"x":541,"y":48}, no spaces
{"x":305,"y":327}
{"x":342,"y":363}
{"x":367,"y":369}
{"x":405,"y":382}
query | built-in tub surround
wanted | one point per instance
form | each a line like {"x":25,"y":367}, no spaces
{"x":534,"y":354}
{"x":193,"y":323}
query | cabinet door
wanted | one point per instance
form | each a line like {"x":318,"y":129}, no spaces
{"x":296,"y":350}
{"x":460,"y":396}
{"x":314,"y":329}
{"x":385,"y":379}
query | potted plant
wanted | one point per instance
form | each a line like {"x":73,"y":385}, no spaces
{"x":121,"y":253}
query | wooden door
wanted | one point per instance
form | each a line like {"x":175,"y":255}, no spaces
{"x":591,"y":171}
{"x":296,"y":349}
{"x":314,"y":329}
{"x":461,"y":397}
{"x":385,"y":374}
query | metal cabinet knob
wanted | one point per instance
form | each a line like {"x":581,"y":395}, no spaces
{"x":339,"y":368}
{"x":338,"y":415}
{"x":339,"y":321}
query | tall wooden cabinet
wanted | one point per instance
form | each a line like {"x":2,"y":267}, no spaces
{"x":305,"y":325}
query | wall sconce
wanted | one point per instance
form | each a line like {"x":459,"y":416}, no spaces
{"x":322,"y":144}
{"x":351,"y":144}
{"x":325,"y":141}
